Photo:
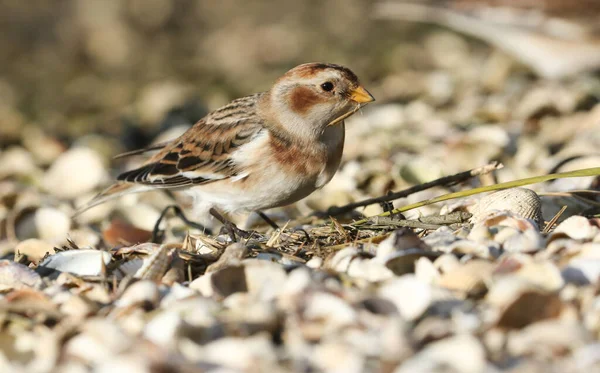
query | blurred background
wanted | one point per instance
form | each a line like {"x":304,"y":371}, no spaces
{"x":458,"y":82}
{"x":74,"y":66}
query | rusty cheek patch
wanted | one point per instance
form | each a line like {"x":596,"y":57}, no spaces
{"x":303,"y":98}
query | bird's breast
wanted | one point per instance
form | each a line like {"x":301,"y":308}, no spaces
{"x":316,"y":161}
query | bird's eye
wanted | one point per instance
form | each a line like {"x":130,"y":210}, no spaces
{"x":327,"y":86}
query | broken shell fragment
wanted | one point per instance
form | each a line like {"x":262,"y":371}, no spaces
{"x":17,"y":276}
{"x":78,"y":262}
{"x":34,"y":249}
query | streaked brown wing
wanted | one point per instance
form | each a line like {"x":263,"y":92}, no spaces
{"x":203,"y":153}
{"x":142,"y":151}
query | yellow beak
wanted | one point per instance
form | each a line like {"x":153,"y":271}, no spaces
{"x":361,"y":95}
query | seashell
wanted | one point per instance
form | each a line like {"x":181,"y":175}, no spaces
{"x":370,"y":269}
{"x":315,"y":262}
{"x":515,"y":241}
{"x":575,"y":227}
{"x":340,"y":261}
{"x":545,"y":275}
{"x":578,"y":162}
{"x":335,"y":356}
{"x":16,"y":161}
{"x":443,"y":240}
{"x":286,"y":260}
{"x":520,"y":201}
{"x":120,"y":232}
{"x":420,"y":169}
{"x":254,"y":352}
{"x":403,"y":262}
{"x":323,"y":309}
{"x":17,"y":276}
{"x":410,"y":296}
{"x":78,"y":262}
{"x":43,"y":147}
{"x":547,"y":338}
{"x":426,"y":271}
{"x":232,"y":256}
{"x":264,"y":279}
{"x":129,"y":268}
{"x":448,"y":354}
{"x":140,"y":215}
{"x":253,"y":316}
{"x":221,"y":283}
{"x":176,"y":273}
{"x":582,"y":271}
{"x":75,"y":172}
{"x":29,"y":300}
{"x":84,"y":236}
{"x":99,"y":340}
{"x":154,"y":266}
{"x":401,"y":239}
{"x":46,"y":223}
{"x":530,"y":307}
{"x":359,"y":265}
{"x":446,"y":263}
{"x":78,"y":307}
{"x":163,"y":328}
{"x":139,"y":293}
{"x":176,"y":293}
{"x":34,"y":249}
{"x":146,"y":248}
{"x":471,"y":278}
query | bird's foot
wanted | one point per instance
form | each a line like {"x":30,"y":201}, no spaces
{"x":232,"y":230}
{"x":158,"y":234}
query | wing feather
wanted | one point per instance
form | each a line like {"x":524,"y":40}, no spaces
{"x":203,"y":153}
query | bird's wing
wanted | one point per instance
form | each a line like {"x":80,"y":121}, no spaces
{"x":201,"y":155}
{"x":148,"y":149}
{"x":204,"y":153}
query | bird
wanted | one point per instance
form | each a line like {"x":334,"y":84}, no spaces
{"x":266,"y":150}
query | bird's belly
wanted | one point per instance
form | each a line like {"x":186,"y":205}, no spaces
{"x":256,"y":192}
{"x":291,"y":174}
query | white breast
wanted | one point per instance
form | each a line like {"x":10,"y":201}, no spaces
{"x":264,"y":183}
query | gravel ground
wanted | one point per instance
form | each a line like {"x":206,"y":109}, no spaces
{"x":507,"y":282}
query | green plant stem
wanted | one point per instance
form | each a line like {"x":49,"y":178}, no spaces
{"x":509,"y":184}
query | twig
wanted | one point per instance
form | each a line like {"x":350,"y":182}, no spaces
{"x":425,"y":222}
{"x":443,"y":181}
{"x":368,"y":240}
{"x":594,"y":171}
{"x":553,"y":221}
{"x":385,"y":222}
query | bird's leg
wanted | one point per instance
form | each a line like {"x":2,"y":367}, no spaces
{"x":157,"y":235}
{"x":267,"y":219}
{"x":231,"y":228}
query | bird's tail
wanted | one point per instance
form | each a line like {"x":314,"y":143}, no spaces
{"x":114,"y":191}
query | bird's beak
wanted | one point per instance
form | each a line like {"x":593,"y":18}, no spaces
{"x":361,"y":95}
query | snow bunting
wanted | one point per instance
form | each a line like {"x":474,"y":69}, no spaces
{"x":266,"y":150}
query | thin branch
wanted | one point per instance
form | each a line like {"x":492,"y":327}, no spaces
{"x":553,"y":221}
{"x":443,"y":181}
{"x":594,"y":171}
